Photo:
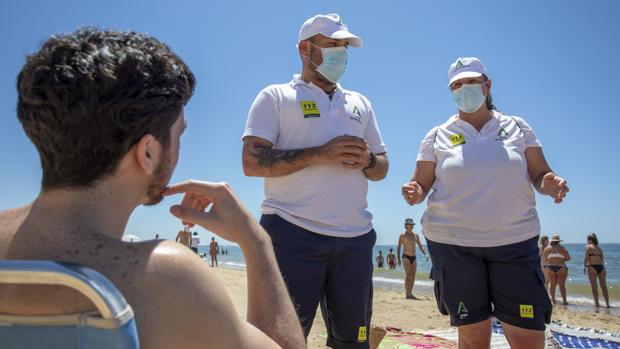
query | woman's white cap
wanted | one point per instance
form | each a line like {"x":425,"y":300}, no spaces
{"x":329,"y":25}
{"x":466,"y":67}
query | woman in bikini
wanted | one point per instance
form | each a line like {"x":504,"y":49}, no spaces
{"x":556,"y":256}
{"x":594,"y":263}
{"x":542,"y":244}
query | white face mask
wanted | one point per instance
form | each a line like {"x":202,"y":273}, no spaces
{"x":469,"y":98}
{"x":334,"y":62}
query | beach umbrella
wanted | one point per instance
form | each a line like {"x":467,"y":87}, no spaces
{"x":131,"y":238}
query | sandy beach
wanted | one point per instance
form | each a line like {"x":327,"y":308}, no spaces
{"x":391,"y":309}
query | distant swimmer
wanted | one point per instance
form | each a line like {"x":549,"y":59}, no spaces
{"x":408,"y":240}
{"x":214,"y":249}
{"x":594,"y":263}
{"x":380,"y":260}
{"x":391,"y":259}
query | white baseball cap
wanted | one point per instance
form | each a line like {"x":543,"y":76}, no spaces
{"x":466,"y":67}
{"x":329,"y":25}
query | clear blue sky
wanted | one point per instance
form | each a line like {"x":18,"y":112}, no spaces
{"x":556,"y":63}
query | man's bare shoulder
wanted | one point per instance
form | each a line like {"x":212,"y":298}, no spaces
{"x":12,"y":219}
{"x":178,"y":287}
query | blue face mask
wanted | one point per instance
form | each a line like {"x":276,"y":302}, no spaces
{"x":469,"y":98}
{"x":334,"y":62}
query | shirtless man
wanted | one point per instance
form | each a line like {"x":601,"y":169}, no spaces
{"x":408,"y":240}
{"x":184,"y":236}
{"x":380,"y":260}
{"x":214,"y":249}
{"x":120,"y":97}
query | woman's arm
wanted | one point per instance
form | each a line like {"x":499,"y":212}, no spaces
{"x":415,"y":191}
{"x":543,"y":179}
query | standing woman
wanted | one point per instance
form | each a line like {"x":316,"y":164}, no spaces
{"x":481,"y":224}
{"x":542,"y":244}
{"x":556,"y":256}
{"x":594,"y":262}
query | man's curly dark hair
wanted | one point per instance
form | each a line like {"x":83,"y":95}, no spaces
{"x":87,"y":97}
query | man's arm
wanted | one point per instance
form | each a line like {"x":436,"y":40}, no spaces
{"x":261,"y":159}
{"x":178,"y":237}
{"x":417,"y":240}
{"x":379,"y":169}
{"x":269,"y":305}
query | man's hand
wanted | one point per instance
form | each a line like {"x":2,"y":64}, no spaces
{"x":226,"y":216}
{"x":554,"y":186}
{"x":349,"y":151}
{"x":413,"y":193}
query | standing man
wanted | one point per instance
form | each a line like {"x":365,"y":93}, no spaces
{"x":380,"y":260}
{"x":184,"y":237}
{"x":214,"y":249}
{"x":317,"y":145}
{"x":195,"y":242}
{"x":408,"y":240}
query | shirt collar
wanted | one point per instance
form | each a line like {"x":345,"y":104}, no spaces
{"x":297,"y":80}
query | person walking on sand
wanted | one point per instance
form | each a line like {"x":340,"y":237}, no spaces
{"x":380,"y":260}
{"x":408,"y":241}
{"x":184,"y":237}
{"x":480,"y":224}
{"x":317,"y":145}
{"x":195,"y":242}
{"x":556,"y":256}
{"x":594,"y":264}
{"x":214,"y":249}
{"x":542,"y":244}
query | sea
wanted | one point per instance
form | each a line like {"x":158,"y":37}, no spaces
{"x":578,"y":287}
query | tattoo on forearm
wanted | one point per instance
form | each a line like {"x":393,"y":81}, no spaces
{"x":268,"y":157}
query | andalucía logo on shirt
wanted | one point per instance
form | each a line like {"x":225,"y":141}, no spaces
{"x":357,"y":115}
{"x":502,"y":135}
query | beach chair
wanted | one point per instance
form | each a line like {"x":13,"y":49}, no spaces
{"x":111,"y":326}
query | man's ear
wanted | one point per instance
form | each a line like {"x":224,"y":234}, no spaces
{"x":304,"y":48}
{"x":488,"y":84}
{"x":148,"y":152}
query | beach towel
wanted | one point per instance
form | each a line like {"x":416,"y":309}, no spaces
{"x":397,"y":339}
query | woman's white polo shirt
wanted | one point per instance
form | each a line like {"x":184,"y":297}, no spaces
{"x":482,"y":195}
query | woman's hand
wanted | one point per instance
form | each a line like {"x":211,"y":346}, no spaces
{"x":413,"y":193}
{"x":554,"y":186}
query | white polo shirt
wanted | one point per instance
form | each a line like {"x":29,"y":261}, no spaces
{"x":325,"y":199}
{"x":482,"y":195}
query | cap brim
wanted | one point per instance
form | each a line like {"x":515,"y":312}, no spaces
{"x":353,"y":39}
{"x":463,"y":75}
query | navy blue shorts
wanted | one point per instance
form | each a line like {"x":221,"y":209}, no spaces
{"x":473,"y":283}
{"x":335,"y":272}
